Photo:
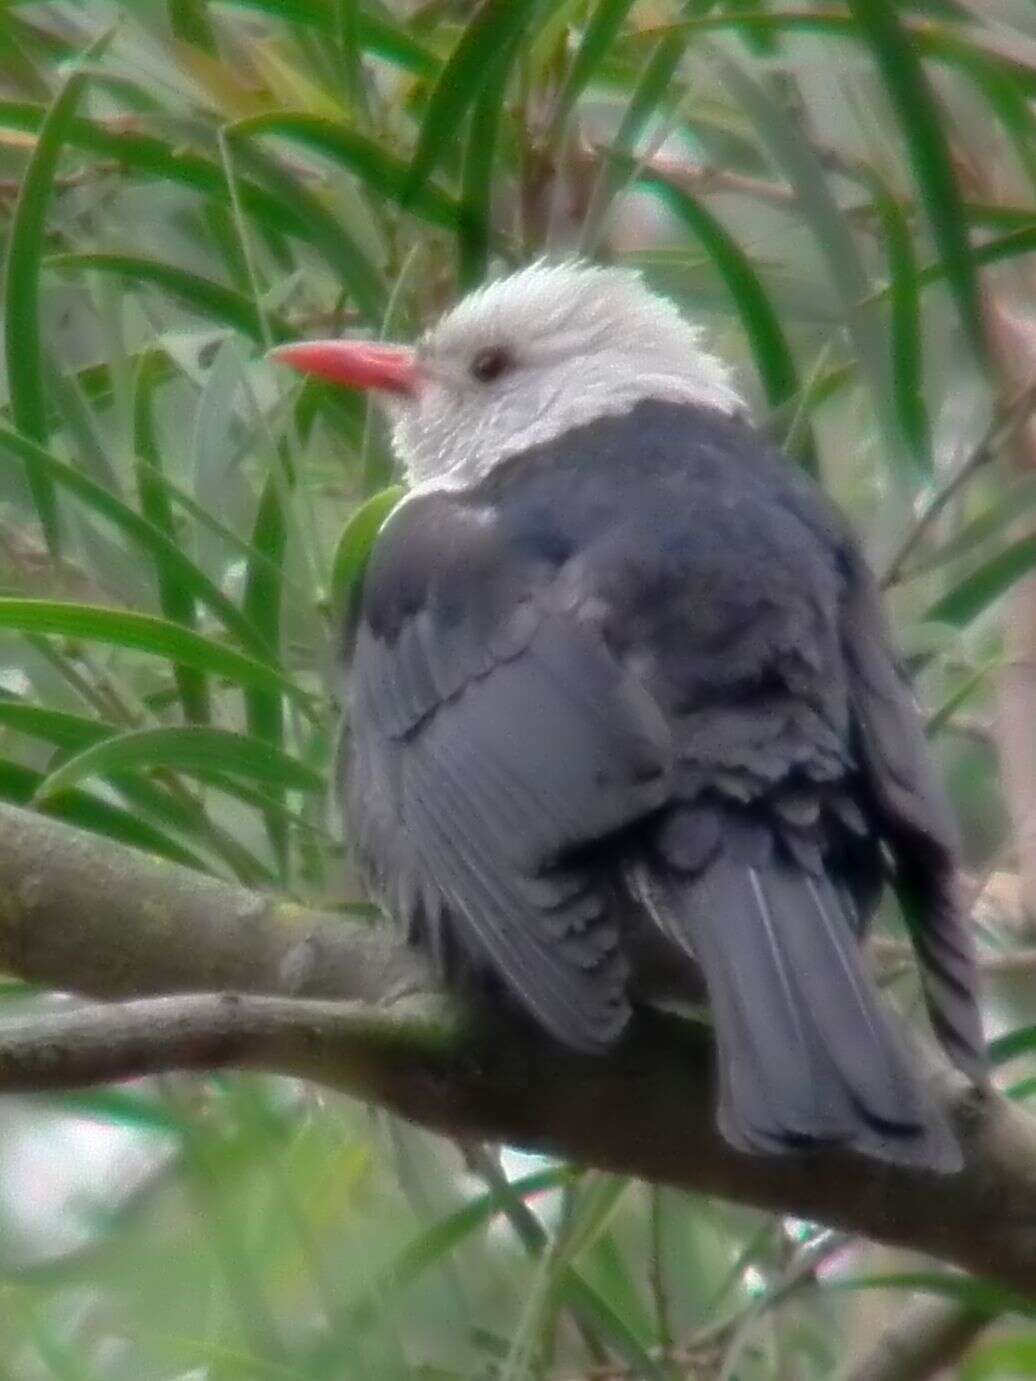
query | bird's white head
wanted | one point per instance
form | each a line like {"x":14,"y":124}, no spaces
{"x":521,"y":361}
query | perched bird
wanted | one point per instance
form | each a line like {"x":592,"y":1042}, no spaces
{"x":619,"y":667}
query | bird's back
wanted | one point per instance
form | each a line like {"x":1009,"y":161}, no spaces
{"x":645,"y":662}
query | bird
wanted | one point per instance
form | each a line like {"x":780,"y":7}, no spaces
{"x":618,"y":668}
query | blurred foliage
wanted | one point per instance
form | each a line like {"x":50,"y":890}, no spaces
{"x":839,"y":194}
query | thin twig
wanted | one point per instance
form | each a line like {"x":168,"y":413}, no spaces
{"x":1005,"y":426}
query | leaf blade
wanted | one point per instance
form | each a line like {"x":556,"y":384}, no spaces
{"x":182,"y":748}
{"x":24,"y":349}
{"x":150,"y":538}
{"x":144,"y":633}
{"x":488,"y":42}
{"x":923,"y":131}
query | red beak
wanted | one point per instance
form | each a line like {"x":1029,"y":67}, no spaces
{"x":353,"y":364}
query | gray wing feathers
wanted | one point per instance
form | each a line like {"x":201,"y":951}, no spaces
{"x":485,"y":793}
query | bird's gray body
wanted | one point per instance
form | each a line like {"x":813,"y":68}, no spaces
{"x":639,"y":674}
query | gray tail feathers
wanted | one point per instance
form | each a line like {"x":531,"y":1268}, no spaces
{"x":808,"y":1055}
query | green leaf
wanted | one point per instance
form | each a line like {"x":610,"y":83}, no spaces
{"x":227,"y":535}
{"x":63,"y":730}
{"x":190,"y":24}
{"x":183,"y":749}
{"x":943,"y":714}
{"x":172,"y":808}
{"x":290,"y":210}
{"x":598,"y":38}
{"x":924,"y":134}
{"x":202,"y":295}
{"x":437,"y":1241}
{"x":355,"y":546}
{"x":176,"y":599}
{"x":907,"y":373}
{"x":831,"y":231}
{"x":1006,"y":1359}
{"x":145,"y":633}
{"x":1021,"y":1041}
{"x":1010,"y":246}
{"x":488,"y":42}
{"x":379,"y":169}
{"x":587,"y":1305}
{"x":762,"y":325}
{"x":594,"y":1309}
{"x":475,"y":227}
{"x":117,"y":1108}
{"x":71,"y":733}
{"x":19,"y":784}
{"x":1014,"y":112}
{"x":653,"y":87}
{"x":324,"y":231}
{"x":350,"y":67}
{"x":13,"y":990}
{"x":596,"y":1201}
{"x":977,"y":591}
{"x":1017,"y":500}
{"x":268,"y":804}
{"x":151,"y":539}
{"x":979,"y":1294}
{"x":376,"y":32}
{"x":263,"y":602}
{"x":931,"y":39}
{"x":22,"y":297}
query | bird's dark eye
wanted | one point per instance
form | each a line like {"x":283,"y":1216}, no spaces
{"x":490,"y":363}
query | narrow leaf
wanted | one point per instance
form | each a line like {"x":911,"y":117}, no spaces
{"x":22,"y":297}
{"x":477,"y":183}
{"x":598,"y":38}
{"x":355,"y":546}
{"x":377,"y":167}
{"x":176,"y":598}
{"x":976,"y":592}
{"x":376,"y":32}
{"x":907,"y":374}
{"x":490,"y":39}
{"x":762,"y":325}
{"x":324,"y":231}
{"x":1020,"y":1041}
{"x":924,"y":133}
{"x":19,"y":784}
{"x":183,"y":748}
{"x":832,"y":233}
{"x":150,"y":538}
{"x":144,"y":633}
{"x":202,"y":295}
{"x":264,"y":593}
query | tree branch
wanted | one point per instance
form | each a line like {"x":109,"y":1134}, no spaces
{"x":80,"y":913}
